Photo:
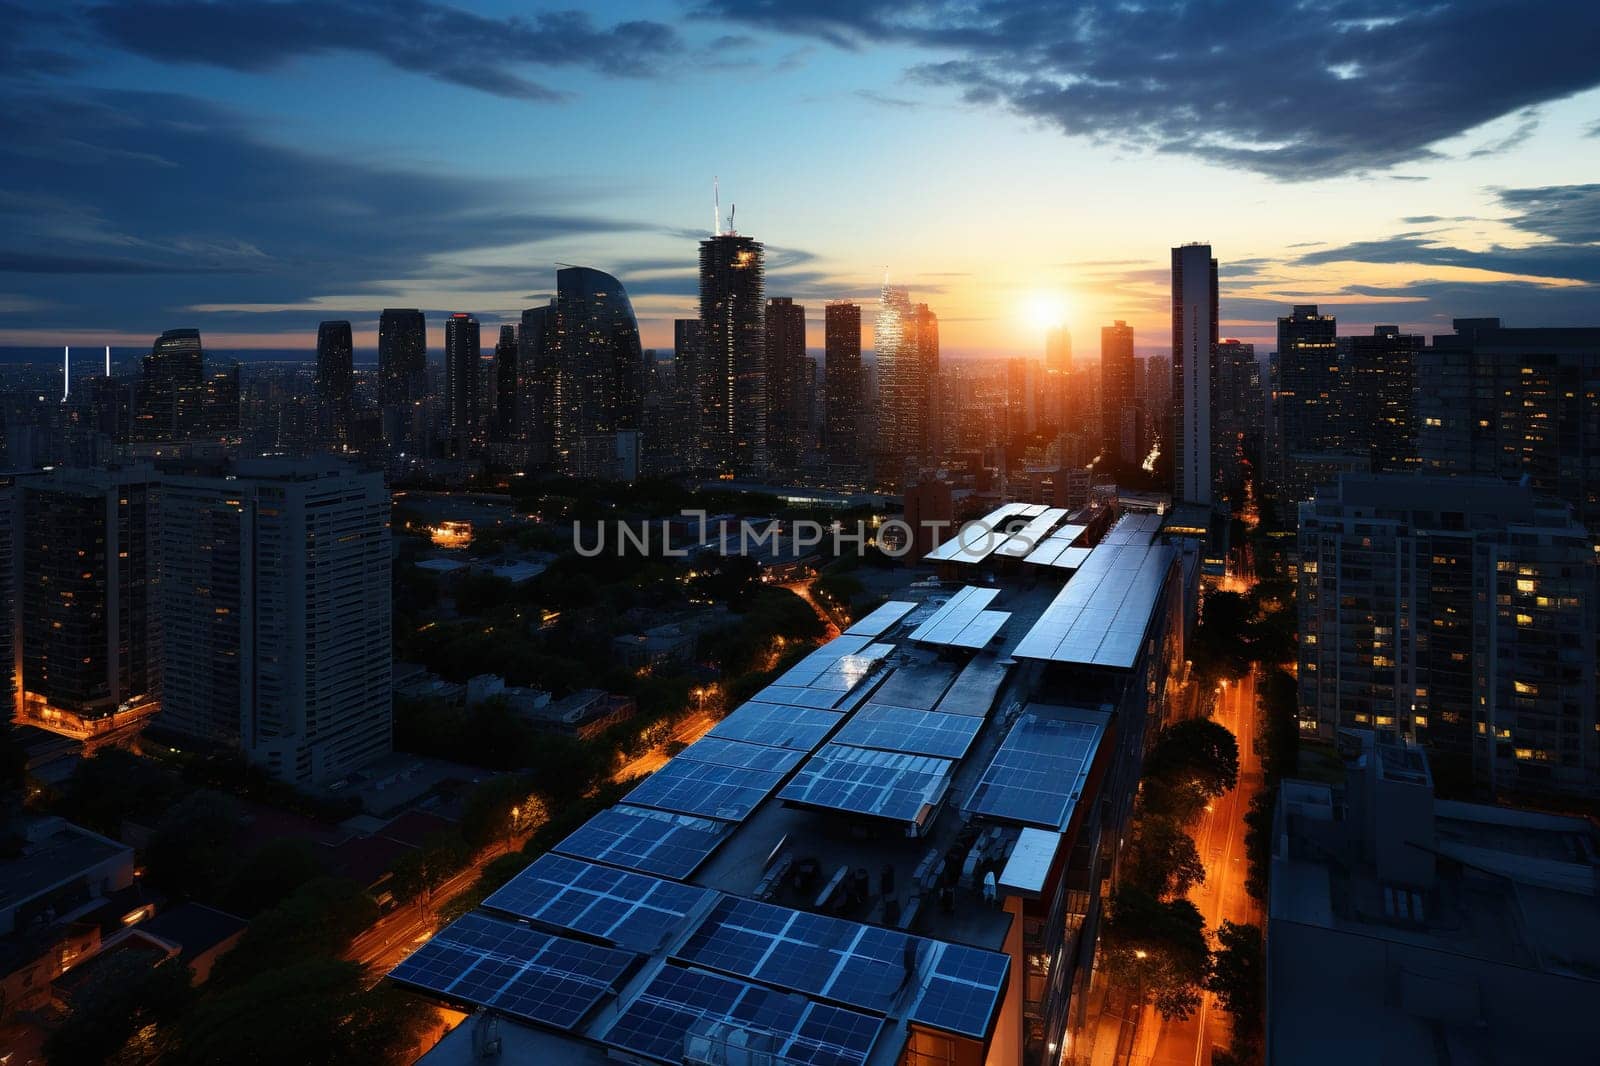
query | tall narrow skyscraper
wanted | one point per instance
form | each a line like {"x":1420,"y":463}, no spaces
{"x":336,"y":380}
{"x":1119,"y":412}
{"x":402,"y":369}
{"x":503,"y":420}
{"x":1194,"y":345}
{"x":688,"y":368}
{"x":733,"y":379}
{"x":1058,"y":350}
{"x":787,"y":383}
{"x":535,"y":382}
{"x":841,"y":368}
{"x":171,"y":391}
{"x":901,"y":389}
{"x":461,"y":355}
{"x":596,"y":401}
{"x":925,"y":343}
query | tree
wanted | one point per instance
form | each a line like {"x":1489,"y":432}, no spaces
{"x":1218,"y":647}
{"x":321,"y":918}
{"x":191,"y":853}
{"x":1162,"y":858}
{"x":121,"y":995}
{"x":272,"y":873}
{"x":1192,"y":762}
{"x":1238,"y":977}
{"x":1279,"y":700}
{"x":421,"y":871}
{"x":1258,"y":841}
{"x":114,"y":784}
{"x":1157,"y":949}
{"x":487,"y":816}
{"x":312,"y":1011}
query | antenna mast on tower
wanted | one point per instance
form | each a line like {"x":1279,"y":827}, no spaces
{"x":716,"y":208}
{"x":66,"y":372}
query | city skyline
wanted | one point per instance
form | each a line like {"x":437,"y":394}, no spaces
{"x":235,"y":209}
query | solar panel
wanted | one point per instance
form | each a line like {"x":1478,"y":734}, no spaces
{"x":881,"y":620}
{"x":490,"y":962}
{"x":689,"y":787}
{"x":807,"y":670}
{"x":820,"y":698}
{"x":884,"y":784}
{"x":1024,"y":540}
{"x":1100,"y":616}
{"x":1039,"y":771}
{"x":908,"y":729}
{"x":963,"y":991}
{"x":847,"y":962}
{"x":724,"y":752}
{"x":959,"y":611}
{"x":656,"y":842}
{"x":684,"y":1015}
{"x":796,"y":728}
{"x":975,"y":540}
{"x":629,"y":910}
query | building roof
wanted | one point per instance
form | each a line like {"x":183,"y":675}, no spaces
{"x":55,"y":852}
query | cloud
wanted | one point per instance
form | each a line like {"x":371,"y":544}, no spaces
{"x":1563,"y":212}
{"x":244,"y":221}
{"x":1280,"y":89}
{"x":433,"y":39}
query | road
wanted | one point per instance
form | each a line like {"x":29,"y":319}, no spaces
{"x":1219,"y":836}
{"x":803,"y":590}
{"x":688,"y":731}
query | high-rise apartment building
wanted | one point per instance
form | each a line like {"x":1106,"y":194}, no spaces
{"x":402,"y":356}
{"x":1456,"y":613}
{"x":1239,"y":422}
{"x":733,"y":377}
{"x":336,"y":381}
{"x":1194,"y":345}
{"x":536,"y":374}
{"x":1310,"y":393}
{"x":1379,"y":407}
{"x":688,"y":374}
{"x":91,"y":644}
{"x":925,"y":334}
{"x":171,"y":390}
{"x":1515,"y":403}
{"x":1058,"y":349}
{"x":842,"y":385}
{"x":275,"y":596}
{"x":12,"y":539}
{"x":788,"y":387}
{"x":1119,"y":413}
{"x":906,"y":347}
{"x":461,"y":401}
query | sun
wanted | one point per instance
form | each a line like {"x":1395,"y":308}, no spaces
{"x":1044,"y":311}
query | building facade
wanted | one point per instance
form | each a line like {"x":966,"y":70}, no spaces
{"x":461,"y":400}
{"x":171,"y":390}
{"x":336,"y":381}
{"x":1194,"y":344}
{"x":843,"y":386}
{"x":277,"y":598}
{"x":733,"y":378}
{"x":1119,"y":414}
{"x":788,"y":384}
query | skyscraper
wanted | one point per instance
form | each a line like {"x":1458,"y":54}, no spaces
{"x":1380,"y":408}
{"x":276,"y":595}
{"x":1239,"y":424}
{"x":1459,"y":614}
{"x":925,"y":326}
{"x":536,"y":382}
{"x":1119,"y":414}
{"x":461,"y":355}
{"x":12,"y":580}
{"x":503,"y":423}
{"x":902,"y":386}
{"x":170,"y":396}
{"x":787,"y":385}
{"x":336,"y":380}
{"x":1515,"y":403}
{"x":402,"y":369}
{"x":1310,"y":393}
{"x":596,"y":399}
{"x":842,"y":385}
{"x":91,"y":635}
{"x":688,"y":371}
{"x":733,"y":379}
{"x":1058,"y":350}
{"x":1194,"y":343}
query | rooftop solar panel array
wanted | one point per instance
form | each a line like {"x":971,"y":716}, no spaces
{"x":655,"y":842}
{"x":489,"y":962}
{"x":629,"y":910}
{"x":960,"y":611}
{"x":910,"y":730}
{"x":974,"y":541}
{"x":1024,"y":540}
{"x":682,"y":1008}
{"x":975,"y":688}
{"x":822,"y":699}
{"x":725,"y":752}
{"x":1137,"y":528}
{"x":1040,"y":770}
{"x":796,"y":728}
{"x":881,"y":620}
{"x":883,"y":784}
{"x":705,"y":789}
{"x":1101,"y":615}
{"x":836,"y":667}
{"x":963,"y":990}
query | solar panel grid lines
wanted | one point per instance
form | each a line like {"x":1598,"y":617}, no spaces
{"x":975,"y":541}
{"x":1101,"y":614}
{"x":907,"y":729}
{"x":892,"y":785}
{"x":629,"y":910}
{"x":1037,"y":773}
{"x":650,"y":841}
{"x":963,"y":990}
{"x":1019,"y":544}
{"x":728,"y":793}
{"x":724,"y":752}
{"x":958,"y":612}
{"x":681,"y":1006}
{"x":796,"y":728}
{"x":538,"y":977}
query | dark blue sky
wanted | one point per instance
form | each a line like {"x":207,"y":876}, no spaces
{"x":254,"y":166}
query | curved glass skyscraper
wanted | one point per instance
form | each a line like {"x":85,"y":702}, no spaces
{"x":595,"y":396}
